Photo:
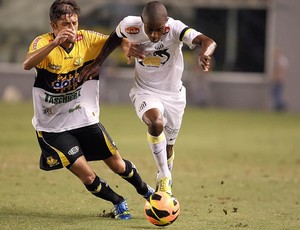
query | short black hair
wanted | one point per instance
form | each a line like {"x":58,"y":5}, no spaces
{"x":62,"y":7}
{"x":154,"y":10}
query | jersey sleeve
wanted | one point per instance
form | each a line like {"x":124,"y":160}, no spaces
{"x":185,"y":33}
{"x":189,"y":36}
{"x":129,"y":26}
{"x":96,"y":39}
{"x":119,"y":29}
{"x":91,"y":43}
{"x":37,"y":44}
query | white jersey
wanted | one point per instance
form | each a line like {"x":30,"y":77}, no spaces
{"x":161,"y":70}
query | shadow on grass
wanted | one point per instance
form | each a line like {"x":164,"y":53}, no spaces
{"x":20,"y":214}
{"x":22,"y":218}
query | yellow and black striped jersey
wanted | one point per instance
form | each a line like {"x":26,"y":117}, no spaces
{"x":61,"y":102}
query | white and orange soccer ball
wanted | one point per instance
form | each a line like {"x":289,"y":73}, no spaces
{"x":162,"y":209}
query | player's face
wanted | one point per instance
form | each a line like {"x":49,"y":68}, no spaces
{"x":155,"y":30}
{"x":70,"y":22}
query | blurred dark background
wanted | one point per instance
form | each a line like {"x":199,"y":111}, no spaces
{"x":247,"y":33}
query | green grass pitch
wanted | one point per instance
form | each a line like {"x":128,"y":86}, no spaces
{"x":233,"y":170}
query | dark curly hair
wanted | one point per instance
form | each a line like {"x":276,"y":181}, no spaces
{"x":62,"y":7}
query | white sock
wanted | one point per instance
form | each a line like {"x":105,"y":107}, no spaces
{"x":158,"y":147}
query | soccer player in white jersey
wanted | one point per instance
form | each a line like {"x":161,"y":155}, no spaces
{"x":158,"y":95}
{"x":66,"y":111}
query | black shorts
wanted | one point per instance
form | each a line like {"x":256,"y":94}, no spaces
{"x":63,"y":149}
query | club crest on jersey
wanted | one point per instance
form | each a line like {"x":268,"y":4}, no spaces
{"x":78,"y":61}
{"x":159,"y":45}
{"x":132,"y":30}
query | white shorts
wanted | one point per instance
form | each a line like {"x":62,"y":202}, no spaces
{"x":171,"y":106}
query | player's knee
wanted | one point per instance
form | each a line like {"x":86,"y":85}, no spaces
{"x":155,"y":125}
{"x":119,"y":167}
{"x":116,"y":163}
{"x":87,"y":179}
{"x":153,"y":119}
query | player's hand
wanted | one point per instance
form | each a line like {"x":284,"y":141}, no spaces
{"x":63,"y":35}
{"x":204,"y":62}
{"x":88,"y":72}
{"x":134,"y":50}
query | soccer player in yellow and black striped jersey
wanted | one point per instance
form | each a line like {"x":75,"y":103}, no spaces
{"x":66,"y":110}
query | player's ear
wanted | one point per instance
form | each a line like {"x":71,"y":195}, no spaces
{"x":53,"y":26}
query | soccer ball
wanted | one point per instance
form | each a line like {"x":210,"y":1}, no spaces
{"x":162,"y":209}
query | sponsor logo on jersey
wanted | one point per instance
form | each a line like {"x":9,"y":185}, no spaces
{"x":47,"y":111}
{"x":151,"y":61}
{"x":59,"y":99}
{"x":72,"y":110}
{"x":79,"y":37}
{"x":73,"y":150}
{"x":132,"y":30}
{"x":95,"y":32}
{"x":52,"y":161}
{"x":167,"y":29}
{"x":36,"y":41}
{"x":158,"y":58}
{"x":54,"y":67}
{"x":65,"y":82}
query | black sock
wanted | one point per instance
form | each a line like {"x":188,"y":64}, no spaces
{"x":132,"y":176}
{"x":101,"y":189}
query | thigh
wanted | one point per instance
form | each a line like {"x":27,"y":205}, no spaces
{"x":142,"y":102}
{"x":58,"y":150}
{"x":95,"y":142}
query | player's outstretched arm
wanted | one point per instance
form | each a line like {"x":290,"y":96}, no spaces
{"x":91,"y":70}
{"x":208,"y":47}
